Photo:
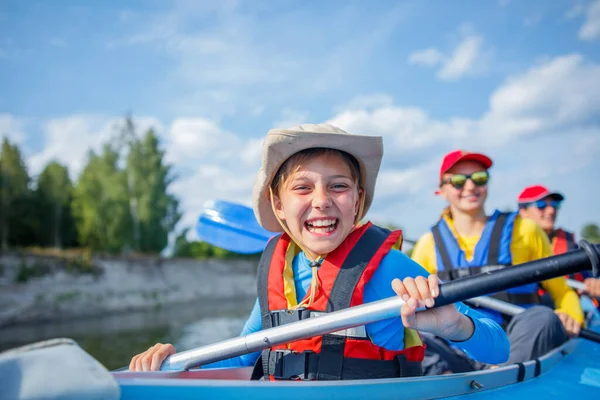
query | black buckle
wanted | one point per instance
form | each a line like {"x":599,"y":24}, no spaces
{"x":282,"y":317}
{"x":286,"y":364}
{"x":459,"y":273}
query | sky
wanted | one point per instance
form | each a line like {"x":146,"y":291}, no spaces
{"x":517,"y":80}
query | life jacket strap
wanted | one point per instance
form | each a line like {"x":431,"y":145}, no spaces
{"x":452,"y":274}
{"x":285,"y":364}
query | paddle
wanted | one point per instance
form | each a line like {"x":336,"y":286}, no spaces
{"x":233,"y":227}
{"x":587,"y":257}
{"x":512,"y":310}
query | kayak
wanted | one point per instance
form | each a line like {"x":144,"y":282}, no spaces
{"x":571,"y":370}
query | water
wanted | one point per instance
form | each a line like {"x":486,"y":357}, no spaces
{"x":114,"y":339}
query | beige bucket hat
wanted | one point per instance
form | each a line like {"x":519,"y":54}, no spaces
{"x":281,"y":144}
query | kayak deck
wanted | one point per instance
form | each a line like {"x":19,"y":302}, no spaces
{"x":572,"y":369}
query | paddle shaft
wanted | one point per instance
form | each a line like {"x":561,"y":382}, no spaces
{"x":451,"y":292}
{"x":512,"y":310}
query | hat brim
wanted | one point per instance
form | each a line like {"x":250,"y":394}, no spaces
{"x":553,"y":195}
{"x":281,"y":144}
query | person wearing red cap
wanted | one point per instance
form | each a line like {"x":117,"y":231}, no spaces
{"x":465,"y":241}
{"x":541,"y":205}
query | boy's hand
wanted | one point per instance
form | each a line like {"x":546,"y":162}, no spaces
{"x":151,"y":359}
{"x":444,"y":321}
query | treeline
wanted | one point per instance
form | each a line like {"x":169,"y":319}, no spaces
{"x":119,"y":203}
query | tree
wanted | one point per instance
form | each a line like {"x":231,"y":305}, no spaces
{"x":149,"y":178}
{"x":54,"y":191}
{"x":591,"y":233}
{"x":100,"y":203}
{"x":14,"y":183}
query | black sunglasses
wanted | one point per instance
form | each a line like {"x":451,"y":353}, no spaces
{"x":479,"y":178}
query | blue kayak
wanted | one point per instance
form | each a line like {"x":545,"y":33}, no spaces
{"x":571,"y":370}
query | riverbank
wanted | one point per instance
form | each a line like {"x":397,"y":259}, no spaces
{"x":114,"y":285}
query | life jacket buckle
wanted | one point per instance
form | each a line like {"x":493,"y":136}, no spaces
{"x":286,"y":364}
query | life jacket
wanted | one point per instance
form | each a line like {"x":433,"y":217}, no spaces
{"x":562,"y":242}
{"x":491,"y":253}
{"x":343,"y":274}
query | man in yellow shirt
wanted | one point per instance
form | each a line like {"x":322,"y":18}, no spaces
{"x":541,"y":206}
{"x":465,"y":241}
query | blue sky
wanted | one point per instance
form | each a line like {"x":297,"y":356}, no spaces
{"x":518,"y":80}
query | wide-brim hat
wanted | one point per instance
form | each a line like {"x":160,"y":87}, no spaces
{"x":281,"y":144}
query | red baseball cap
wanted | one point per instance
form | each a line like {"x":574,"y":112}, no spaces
{"x":537,"y":192}
{"x":455,"y":156}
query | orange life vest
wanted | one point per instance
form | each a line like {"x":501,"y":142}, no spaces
{"x":562,"y":242}
{"x":342,"y":276}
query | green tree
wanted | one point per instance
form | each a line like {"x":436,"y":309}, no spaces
{"x":54,"y":191}
{"x":14,"y":182}
{"x":100,"y":203}
{"x":154,"y":210}
{"x":591,"y":233}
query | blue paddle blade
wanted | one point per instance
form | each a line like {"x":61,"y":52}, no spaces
{"x":232,"y":227}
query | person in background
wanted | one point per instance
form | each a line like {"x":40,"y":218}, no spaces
{"x":465,"y":241}
{"x":541,"y":206}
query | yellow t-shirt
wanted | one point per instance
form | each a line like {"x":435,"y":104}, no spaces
{"x":529,"y":243}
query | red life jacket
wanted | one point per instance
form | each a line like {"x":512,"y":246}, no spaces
{"x":562,"y":242}
{"x":342,"y":276}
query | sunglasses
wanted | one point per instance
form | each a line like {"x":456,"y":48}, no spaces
{"x":542,"y":204}
{"x":479,"y":178}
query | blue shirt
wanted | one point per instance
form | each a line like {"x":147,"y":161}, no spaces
{"x":488,"y":344}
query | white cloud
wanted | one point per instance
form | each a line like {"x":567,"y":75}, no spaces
{"x":212,"y":164}
{"x":428,"y":57}
{"x":541,"y":126}
{"x":590,"y":29}
{"x":542,"y":115}
{"x":563,"y":91}
{"x":466,"y":59}
{"x":68,"y":139}
{"x":463,"y":60}
{"x":12,"y":128}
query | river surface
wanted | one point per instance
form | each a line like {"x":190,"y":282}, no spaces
{"x":114,"y":339}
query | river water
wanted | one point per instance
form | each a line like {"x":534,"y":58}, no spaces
{"x":114,"y":339}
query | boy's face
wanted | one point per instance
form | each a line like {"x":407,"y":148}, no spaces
{"x":319,"y":203}
{"x":470,"y":197}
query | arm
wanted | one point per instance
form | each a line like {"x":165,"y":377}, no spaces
{"x":565,"y":299}
{"x":487,"y":342}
